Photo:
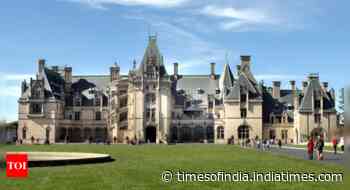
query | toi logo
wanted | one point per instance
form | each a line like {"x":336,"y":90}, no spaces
{"x":17,"y":165}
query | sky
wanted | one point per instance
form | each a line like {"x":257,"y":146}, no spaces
{"x":287,"y":39}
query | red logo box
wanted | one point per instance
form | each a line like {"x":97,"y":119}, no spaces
{"x":17,"y":165}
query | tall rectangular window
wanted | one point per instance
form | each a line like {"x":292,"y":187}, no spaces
{"x":77,"y":116}
{"x":98,"y":116}
{"x":243,"y":113}
{"x":317,"y":118}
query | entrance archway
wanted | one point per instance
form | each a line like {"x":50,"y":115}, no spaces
{"x":76,"y":135}
{"x":243,"y":132}
{"x":151,"y":134}
{"x":210,"y":133}
{"x":174,"y":134}
{"x":88,"y":134}
{"x":186,"y":134}
{"x":198,"y":134}
{"x":61,"y":134}
{"x":100,"y":134}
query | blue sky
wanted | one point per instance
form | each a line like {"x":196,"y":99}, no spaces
{"x":287,"y":38}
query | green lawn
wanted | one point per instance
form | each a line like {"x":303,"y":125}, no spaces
{"x":140,"y":167}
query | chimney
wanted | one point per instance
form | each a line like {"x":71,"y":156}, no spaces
{"x":294,"y":94}
{"x":276,"y":89}
{"x":176,"y":69}
{"x":325,"y":86}
{"x":41,"y":65}
{"x":292,"y":85}
{"x":212,"y":71}
{"x":304,"y":85}
{"x":68,"y":74}
{"x":114,"y":72}
{"x":245,"y":59}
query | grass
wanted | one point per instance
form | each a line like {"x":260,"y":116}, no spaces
{"x":140,"y":167}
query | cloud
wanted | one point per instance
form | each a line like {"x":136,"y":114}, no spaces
{"x":180,"y":44}
{"x":249,"y":15}
{"x":188,"y":49}
{"x":100,"y":4}
{"x":232,"y":18}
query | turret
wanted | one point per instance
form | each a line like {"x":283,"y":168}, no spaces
{"x":114,"y":72}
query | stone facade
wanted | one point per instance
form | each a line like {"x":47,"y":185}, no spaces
{"x":150,"y":105}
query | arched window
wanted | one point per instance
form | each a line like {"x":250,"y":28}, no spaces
{"x":24,"y":133}
{"x":220,"y":133}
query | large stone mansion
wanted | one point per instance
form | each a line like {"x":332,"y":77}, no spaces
{"x":150,"y":105}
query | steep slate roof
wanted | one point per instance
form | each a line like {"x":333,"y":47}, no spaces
{"x":101,"y":82}
{"x":233,"y":93}
{"x":226,"y":78}
{"x":152,"y":50}
{"x":191,"y":83}
{"x":195,"y":87}
{"x":245,"y":68}
{"x":314,"y":89}
{"x":53,"y":83}
{"x":280,"y":105}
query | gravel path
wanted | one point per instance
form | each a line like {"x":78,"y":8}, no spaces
{"x":301,"y":153}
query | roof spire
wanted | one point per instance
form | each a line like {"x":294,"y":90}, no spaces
{"x":226,"y":78}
